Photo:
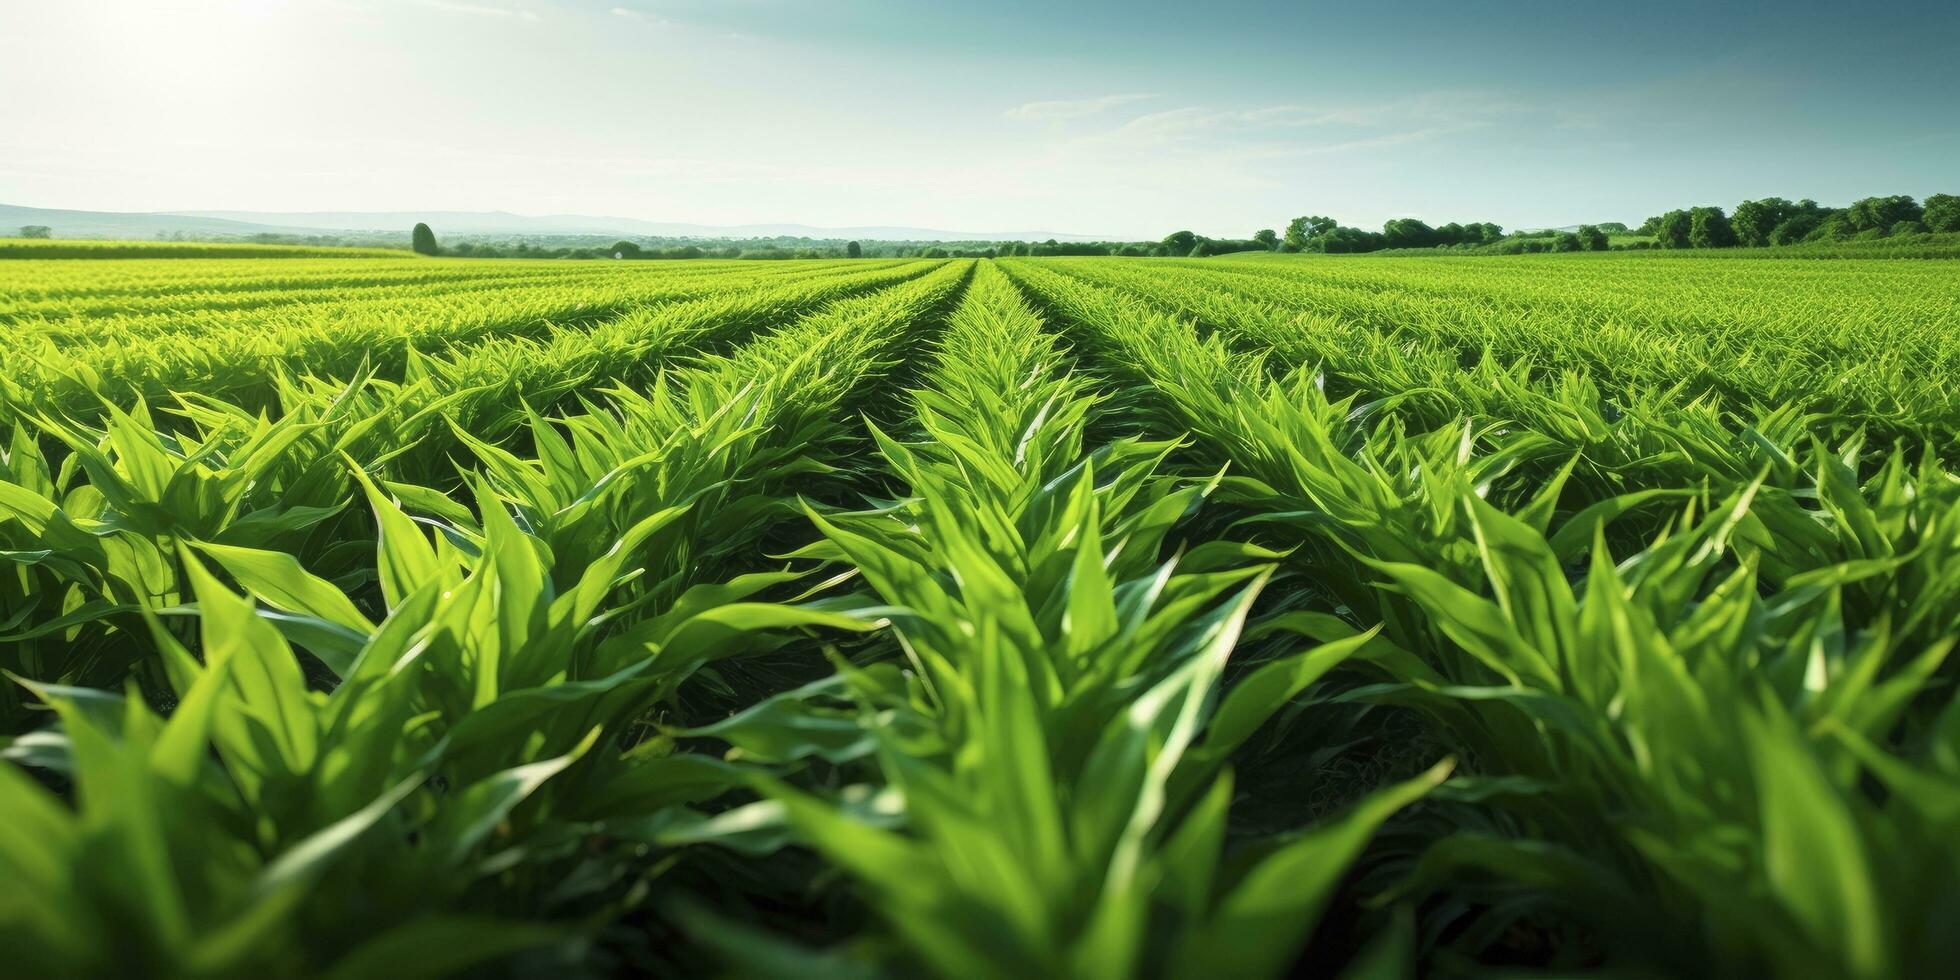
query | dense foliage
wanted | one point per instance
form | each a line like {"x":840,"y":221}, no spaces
{"x":422,"y":240}
{"x":1761,"y":223}
{"x":1040,"y":617}
{"x":1776,"y":221}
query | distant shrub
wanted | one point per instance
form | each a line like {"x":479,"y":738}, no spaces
{"x":1879,"y":213}
{"x":1709,"y":228}
{"x":1670,"y":230}
{"x":1793,"y":229}
{"x":1942,"y":212}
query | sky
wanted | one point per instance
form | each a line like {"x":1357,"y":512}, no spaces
{"x":1123,"y":119}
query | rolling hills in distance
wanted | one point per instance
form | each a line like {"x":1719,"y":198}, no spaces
{"x":148,"y":224}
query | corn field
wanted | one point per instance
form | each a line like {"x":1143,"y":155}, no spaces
{"x":1239,"y":617}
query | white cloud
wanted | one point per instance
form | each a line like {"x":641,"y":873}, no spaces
{"x":1073,"y":108}
{"x":1264,"y":132}
{"x":631,"y":13}
{"x":478,"y":9}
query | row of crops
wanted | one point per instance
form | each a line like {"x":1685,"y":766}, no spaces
{"x":1016,"y":618}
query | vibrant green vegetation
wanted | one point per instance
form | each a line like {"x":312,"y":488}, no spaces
{"x":1911,"y":229}
{"x":1040,"y":617}
{"x":40,"y":247}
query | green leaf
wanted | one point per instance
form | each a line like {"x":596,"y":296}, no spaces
{"x":1813,"y":855}
{"x":405,"y":558}
{"x":440,"y":946}
{"x":278,"y":578}
{"x":1262,"y":920}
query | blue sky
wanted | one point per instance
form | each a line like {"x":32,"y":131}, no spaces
{"x":1127,"y":119}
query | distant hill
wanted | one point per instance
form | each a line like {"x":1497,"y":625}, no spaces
{"x":507,"y":223}
{"x":146,"y":224}
{"x":128,"y":224}
{"x":131,"y":248}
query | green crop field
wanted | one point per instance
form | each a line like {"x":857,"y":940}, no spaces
{"x":371,"y":615}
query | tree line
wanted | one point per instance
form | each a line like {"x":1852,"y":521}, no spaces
{"x":1317,"y":233}
{"x":1769,"y":221}
{"x":423,"y":240}
{"x":1764,"y":222}
{"x":1777,"y":221}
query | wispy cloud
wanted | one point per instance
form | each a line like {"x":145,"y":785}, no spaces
{"x":632,"y":13}
{"x":1060,"y":109}
{"x":1299,"y":130}
{"x":478,"y":9}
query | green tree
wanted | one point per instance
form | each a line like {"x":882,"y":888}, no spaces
{"x":1835,"y":226}
{"x":1709,"y":228}
{"x":1592,"y":239}
{"x":1341,"y":240}
{"x":854,"y":251}
{"x":1794,"y":228}
{"x":1566,"y":241}
{"x":36,"y":231}
{"x":1180,"y":242}
{"x":1670,"y":230}
{"x":1612,"y":227}
{"x":1268,"y":238}
{"x":1942,"y":213}
{"x":1408,"y":233}
{"x":621,"y":249}
{"x":1300,"y":231}
{"x":1881,"y":212}
{"x":423,"y":241}
{"x":1755,"y":222}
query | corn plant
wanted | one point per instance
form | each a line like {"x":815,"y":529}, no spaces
{"x":1244,"y":616}
{"x":1056,"y":744}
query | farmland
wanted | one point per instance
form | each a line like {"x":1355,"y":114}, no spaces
{"x":373,"y":615}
